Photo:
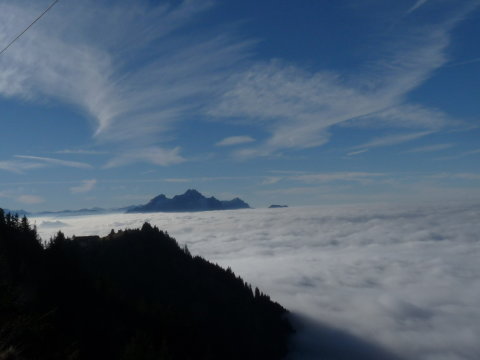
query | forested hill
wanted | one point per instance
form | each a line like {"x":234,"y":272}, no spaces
{"x":134,"y":294}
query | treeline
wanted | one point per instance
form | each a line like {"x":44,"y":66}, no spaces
{"x":134,"y":294}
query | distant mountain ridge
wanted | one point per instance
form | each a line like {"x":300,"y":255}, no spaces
{"x":16,"y":212}
{"x":191,"y":200}
{"x":91,"y":211}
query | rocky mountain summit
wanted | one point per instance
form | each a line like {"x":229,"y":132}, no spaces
{"x":191,"y":200}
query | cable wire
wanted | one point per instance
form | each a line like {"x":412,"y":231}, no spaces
{"x":28,"y":27}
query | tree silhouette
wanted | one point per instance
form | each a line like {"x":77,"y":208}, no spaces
{"x":134,"y":294}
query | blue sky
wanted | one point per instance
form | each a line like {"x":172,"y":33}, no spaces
{"x":109,"y":103}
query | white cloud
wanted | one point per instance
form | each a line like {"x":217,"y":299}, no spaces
{"x":288,"y":172}
{"x":51,"y":161}
{"x":86,"y":186}
{"x":358,"y":152}
{"x":463,"y":176}
{"x":313,"y":192}
{"x":300,"y":107}
{"x":394,"y":139}
{"x":471,"y":152}
{"x":467,"y":176}
{"x":461,"y":155}
{"x":80,"y":152}
{"x":134,"y":99}
{"x":153,"y":155}
{"x":269,"y":180}
{"x":288,"y":176}
{"x":30,"y":199}
{"x":19,"y":167}
{"x":235,"y":140}
{"x":177,"y":180}
{"x":25,"y":163}
{"x":404,"y":279}
{"x":208,"y":179}
{"x":430,"y":148}
{"x":466,"y":62}
{"x":415,"y":6}
{"x":333,"y":177}
{"x":405,"y":116}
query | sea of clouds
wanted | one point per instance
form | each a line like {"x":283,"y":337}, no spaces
{"x":362,"y":282}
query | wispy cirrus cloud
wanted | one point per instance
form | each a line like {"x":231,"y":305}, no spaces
{"x":299,"y":108}
{"x":178,"y":180}
{"x":80,"y":152}
{"x":124,"y":65}
{"x":417,"y":5}
{"x":466,"y":62}
{"x":235,"y":140}
{"x":404,"y":116}
{"x":430,"y":148}
{"x":19,"y":197}
{"x":462,"y":176}
{"x":84,"y":187}
{"x":334,"y":177}
{"x":19,"y":167}
{"x":134,"y":72}
{"x":357,"y":152}
{"x":461,"y":155}
{"x":323,"y":178}
{"x":270,"y":180}
{"x":25,"y":163}
{"x":52,"y":161}
{"x":395,"y":139}
{"x":153,"y":155}
{"x":30,"y":199}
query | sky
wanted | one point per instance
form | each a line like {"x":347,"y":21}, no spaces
{"x":109,"y":103}
{"x":389,"y":282}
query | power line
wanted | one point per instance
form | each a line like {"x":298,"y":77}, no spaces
{"x":28,"y":27}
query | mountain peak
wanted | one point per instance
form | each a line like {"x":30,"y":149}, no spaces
{"x":192,"y":193}
{"x":161,"y":196}
{"x":191,"y":200}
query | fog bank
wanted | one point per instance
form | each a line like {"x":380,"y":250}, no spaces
{"x":374,"y":281}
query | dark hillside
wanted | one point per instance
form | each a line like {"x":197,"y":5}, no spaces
{"x":134,"y":294}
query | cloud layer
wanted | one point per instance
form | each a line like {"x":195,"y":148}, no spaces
{"x":403,"y":281}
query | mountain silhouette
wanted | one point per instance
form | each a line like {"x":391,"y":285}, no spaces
{"x":191,"y":200}
{"x":133,"y":294}
{"x":18,"y":212}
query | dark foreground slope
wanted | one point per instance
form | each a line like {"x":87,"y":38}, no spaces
{"x":134,"y":294}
